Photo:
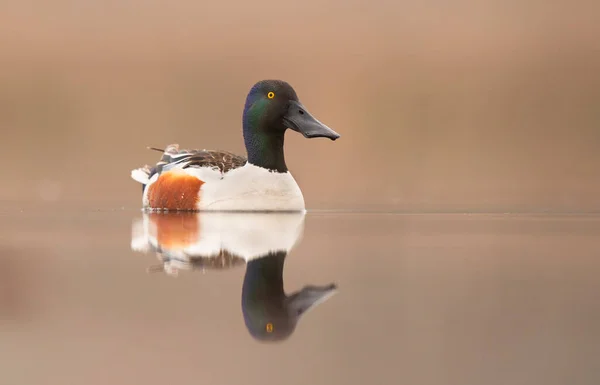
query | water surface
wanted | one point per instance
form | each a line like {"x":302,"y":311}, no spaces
{"x":120,"y":297}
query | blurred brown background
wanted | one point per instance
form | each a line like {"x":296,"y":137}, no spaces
{"x":441,"y":105}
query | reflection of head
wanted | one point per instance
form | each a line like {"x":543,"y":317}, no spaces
{"x":269,"y":314}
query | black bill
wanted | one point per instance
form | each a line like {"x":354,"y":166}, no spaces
{"x":299,"y":119}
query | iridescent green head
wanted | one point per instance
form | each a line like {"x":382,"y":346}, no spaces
{"x":272,"y":107}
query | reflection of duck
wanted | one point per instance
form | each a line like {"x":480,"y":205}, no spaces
{"x":223,"y":240}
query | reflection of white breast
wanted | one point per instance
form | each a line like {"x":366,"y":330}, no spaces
{"x":206,"y":234}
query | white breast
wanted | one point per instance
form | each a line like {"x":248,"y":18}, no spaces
{"x":252,"y":188}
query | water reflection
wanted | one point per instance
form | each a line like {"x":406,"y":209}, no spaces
{"x":202,"y":241}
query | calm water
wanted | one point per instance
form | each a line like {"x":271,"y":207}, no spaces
{"x":118,"y":297}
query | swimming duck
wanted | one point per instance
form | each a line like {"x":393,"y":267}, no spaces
{"x":222,"y":181}
{"x":208,"y":240}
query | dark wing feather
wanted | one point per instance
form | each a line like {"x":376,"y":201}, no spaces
{"x":173,"y":157}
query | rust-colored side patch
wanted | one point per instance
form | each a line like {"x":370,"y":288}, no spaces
{"x":175,"y":230}
{"x":174,"y":190}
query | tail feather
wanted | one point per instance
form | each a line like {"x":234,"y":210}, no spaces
{"x":171,"y":154}
{"x":141,"y":175}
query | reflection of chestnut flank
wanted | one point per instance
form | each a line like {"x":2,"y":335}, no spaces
{"x":175,"y":230}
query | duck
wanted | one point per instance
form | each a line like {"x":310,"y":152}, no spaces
{"x":218,"y":180}
{"x":217,"y":241}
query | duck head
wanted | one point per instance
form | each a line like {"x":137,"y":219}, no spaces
{"x":272,"y":107}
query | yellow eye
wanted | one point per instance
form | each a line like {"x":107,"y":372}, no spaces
{"x":271,"y":95}
{"x":269,"y":325}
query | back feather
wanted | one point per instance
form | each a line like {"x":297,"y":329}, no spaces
{"x":172,"y":158}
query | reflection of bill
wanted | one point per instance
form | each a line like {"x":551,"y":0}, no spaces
{"x":192,"y":241}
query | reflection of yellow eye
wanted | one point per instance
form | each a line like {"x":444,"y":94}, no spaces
{"x":271,"y":95}
{"x":269,"y":327}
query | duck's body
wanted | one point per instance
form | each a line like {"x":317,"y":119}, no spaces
{"x":216,"y":181}
{"x":221,"y":181}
